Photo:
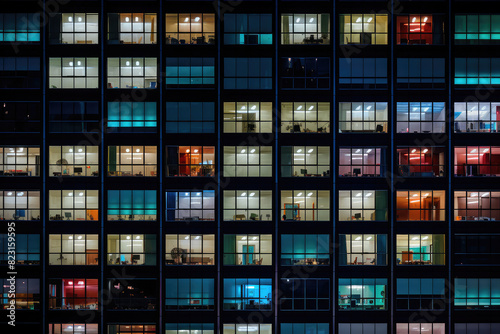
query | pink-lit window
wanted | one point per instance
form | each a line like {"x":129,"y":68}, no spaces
{"x":73,"y":294}
{"x":414,"y":29}
{"x":477,"y":161}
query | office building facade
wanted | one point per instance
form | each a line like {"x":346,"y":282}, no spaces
{"x":238,"y":167}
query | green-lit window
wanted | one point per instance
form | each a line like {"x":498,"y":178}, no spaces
{"x":477,"y":29}
{"x":477,"y":293}
{"x":363,"y":205}
{"x":131,"y":204}
{"x":130,"y":116}
{"x":420,"y":249}
{"x":362,"y":294}
{"x":477,"y":71}
{"x":305,"y":249}
{"x":19,"y":27}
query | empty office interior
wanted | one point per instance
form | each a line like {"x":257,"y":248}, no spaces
{"x":250,"y":167}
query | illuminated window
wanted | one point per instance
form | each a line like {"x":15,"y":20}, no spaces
{"x":26,"y":295}
{"x":74,"y":205}
{"x":363,"y":205}
{"x":132,"y":161}
{"x":132,"y":116}
{"x":363,"y":249}
{"x":132,"y":28}
{"x":19,"y":161}
{"x":73,"y":160}
{"x":421,"y":161}
{"x":74,"y":28}
{"x":190,"y":28}
{"x":305,"y":249}
{"x":132,"y":205}
{"x":190,"y":205}
{"x":305,"y":117}
{"x":474,"y":29}
{"x":248,"y":249}
{"x":248,"y":294}
{"x":421,"y":117}
{"x":420,"y":328}
{"x":362,"y":294}
{"x":363,"y":117}
{"x":364,"y":29}
{"x":73,"y":73}
{"x":132,"y":73}
{"x":19,"y":205}
{"x":305,"y":29}
{"x":477,"y":205}
{"x":362,"y":161}
{"x":131,"y":249}
{"x":20,"y":27}
{"x":190,"y":249}
{"x":477,"y":117}
{"x":305,"y":161}
{"x":420,"y":205}
{"x":245,"y":117}
{"x":420,"y":29}
{"x":477,"y":161}
{"x":305,"y":205}
{"x":73,"y":294}
{"x":190,"y":161}
{"x":73,"y":249}
{"x":420,"y":249}
{"x":247,"y":161}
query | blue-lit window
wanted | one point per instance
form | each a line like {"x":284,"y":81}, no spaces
{"x":27,"y":247}
{"x":421,"y":117}
{"x":248,"y":29}
{"x":190,"y":205}
{"x":309,"y":294}
{"x":190,"y":72}
{"x":305,"y":249}
{"x":477,"y":71}
{"x":365,"y":328}
{"x":420,"y":294}
{"x":189,"y":328}
{"x":19,"y":72}
{"x":473,"y":29}
{"x":305,"y":73}
{"x":362,"y":294}
{"x":26,"y":295}
{"x":132,"y":116}
{"x":248,"y":294}
{"x":421,"y":73}
{"x":248,"y":73}
{"x":477,"y":293}
{"x":363,"y":73}
{"x":305,"y":328}
{"x":481,"y":117}
{"x":477,"y":249}
{"x":190,"y":117}
{"x":131,"y":204}
{"x":73,"y":117}
{"x":477,"y":328}
{"x":189,"y":294}
{"x":20,"y":116}
{"x":19,"y":27}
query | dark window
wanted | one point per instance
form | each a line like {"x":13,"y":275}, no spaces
{"x":190,"y":117}
{"x":420,"y":294}
{"x":309,"y":294}
{"x":132,"y":294}
{"x":248,"y":73}
{"x":305,"y":73}
{"x":363,"y":73}
{"x":248,"y":29}
{"x":421,"y":73}
{"x":73,"y":117}
{"x":477,"y":249}
{"x":20,"y":117}
{"x":20,"y":73}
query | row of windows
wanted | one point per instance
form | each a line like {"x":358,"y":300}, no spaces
{"x":248,"y":29}
{"x":256,"y":294}
{"x":296,"y":161}
{"x":252,"y":117}
{"x":251,"y":205}
{"x":249,"y":73}
{"x":247,"y":249}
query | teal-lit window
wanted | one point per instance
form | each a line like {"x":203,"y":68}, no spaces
{"x":248,"y":73}
{"x":305,"y":249}
{"x":363,"y":73}
{"x":477,"y":71}
{"x":132,"y":116}
{"x":27,"y":247}
{"x":190,"y":205}
{"x":248,"y":249}
{"x":420,"y":294}
{"x":190,"y":72}
{"x":473,"y":29}
{"x":305,"y":328}
{"x":362,"y":294}
{"x":131,"y":204}
{"x":421,"y":73}
{"x":477,"y":293}
{"x":190,"y":117}
{"x":19,"y":27}
{"x":189,"y":328}
{"x":305,"y":294}
{"x":363,"y":249}
{"x":189,"y":294}
{"x":248,"y":29}
{"x":248,"y":294}
{"x":305,"y":29}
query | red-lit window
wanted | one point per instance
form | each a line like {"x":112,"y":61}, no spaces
{"x":421,"y":161}
{"x":73,"y":294}
{"x":190,"y":161}
{"x":414,"y":29}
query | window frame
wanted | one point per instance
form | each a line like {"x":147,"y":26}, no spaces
{"x":86,"y":76}
{"x":56,"y":249}
{"x":206,"y":254}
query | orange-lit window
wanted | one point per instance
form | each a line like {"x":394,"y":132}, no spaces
{"x":421,"y":205}
{"x":190,"y":161}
